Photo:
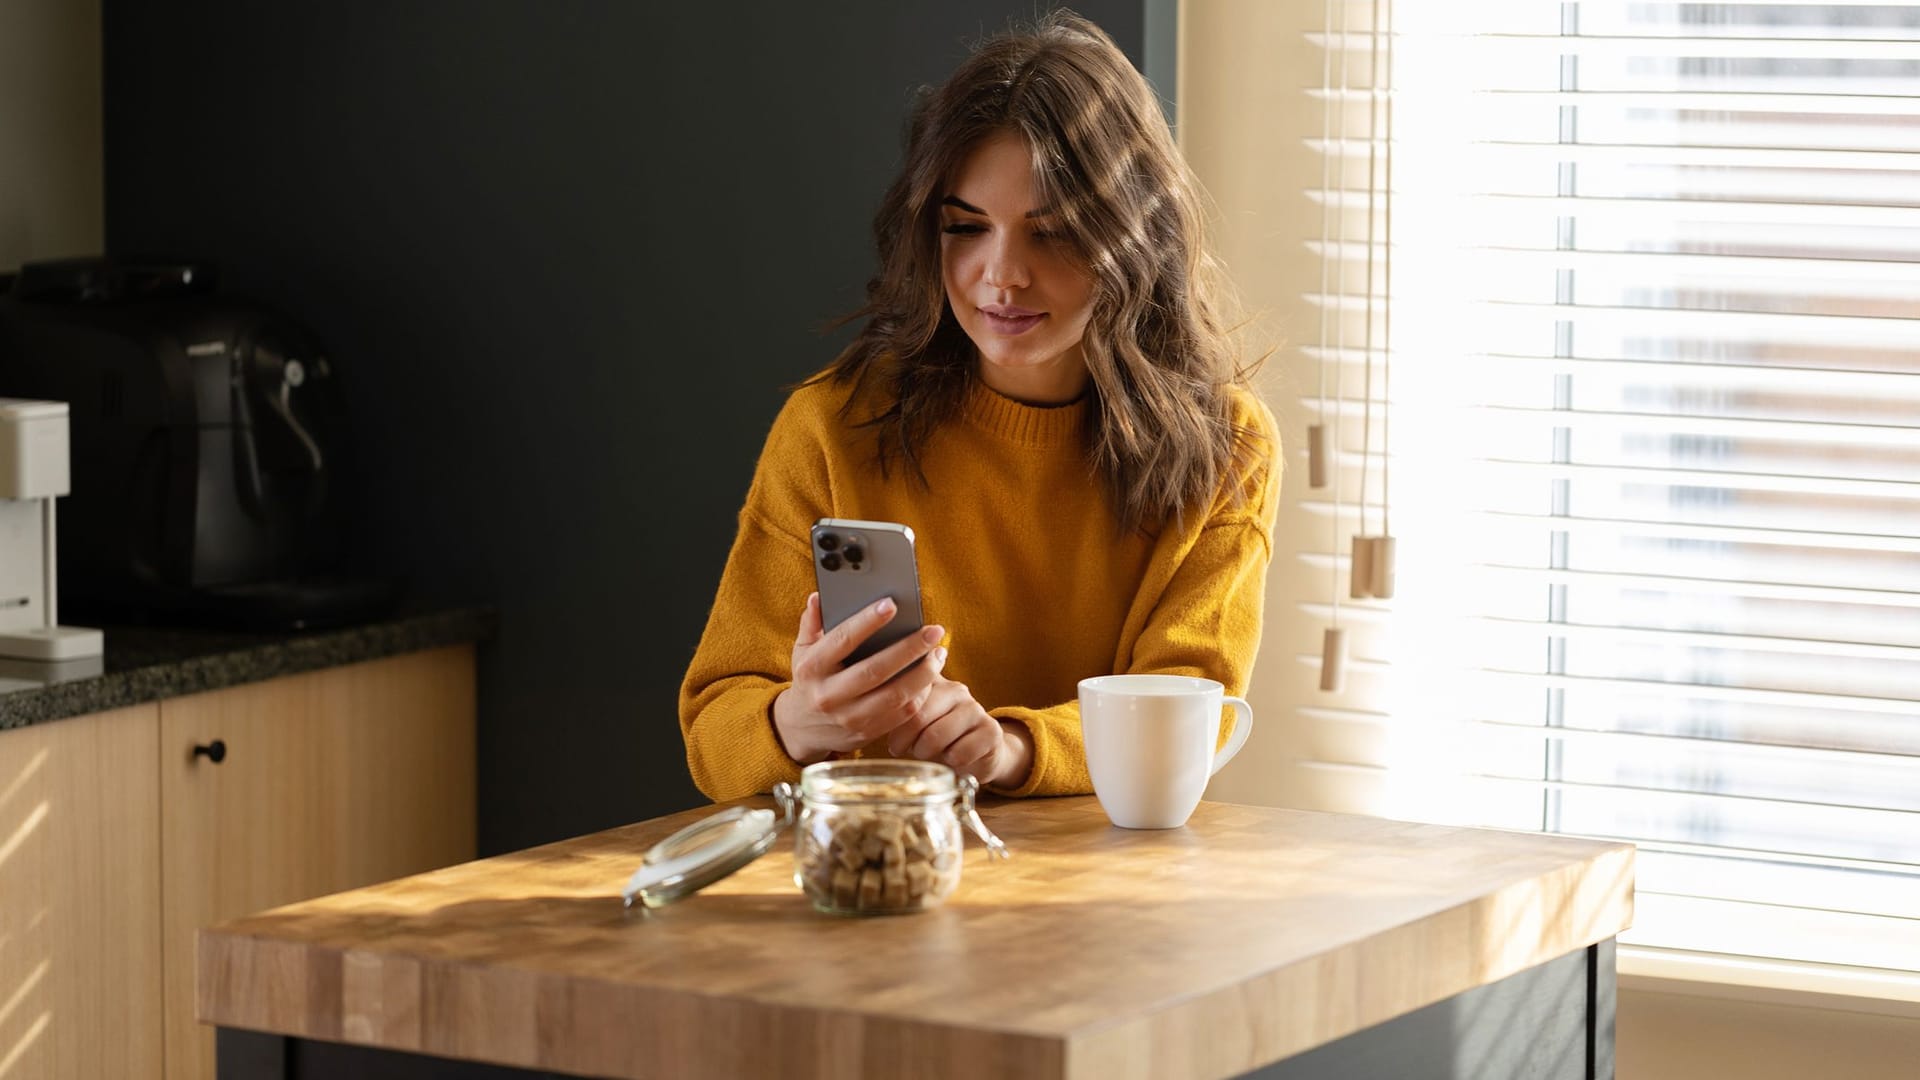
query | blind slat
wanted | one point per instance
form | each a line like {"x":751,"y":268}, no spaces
{"x":1732,"y":694}
{"x":1700,"y":100}
{"x":1509,"y":154}
{"x":1779,"y":330}
{"x":1858,"y":434}
{"x":1799,"y":104}
{"x":1769,"y":271}
{"x":1732,"y":481}
{"x":1755,"y":590}
{"x":1482,"y":48}
{"x":1728,"y":375}
{"x":1853,"y":434}
{"x":1543,"y":524}
{"x":1628,"y":742}
{"x":1615,"y":210}
{"x":1709,"y":640}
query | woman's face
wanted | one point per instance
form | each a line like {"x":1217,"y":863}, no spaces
{"x":1013,"y":283}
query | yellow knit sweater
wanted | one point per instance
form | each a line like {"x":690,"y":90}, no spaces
{"x":1019,"y":559}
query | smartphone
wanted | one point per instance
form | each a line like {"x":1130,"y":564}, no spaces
{"x":855,"y":563}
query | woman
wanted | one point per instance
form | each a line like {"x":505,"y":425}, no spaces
{"x":1043,"y":392}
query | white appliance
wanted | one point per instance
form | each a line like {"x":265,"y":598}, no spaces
{"x":33,"y":472}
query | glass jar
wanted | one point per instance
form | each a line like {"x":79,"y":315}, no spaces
{"x":881,"y":837}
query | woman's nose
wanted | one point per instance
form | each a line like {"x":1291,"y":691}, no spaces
{"x":1006,"y":267}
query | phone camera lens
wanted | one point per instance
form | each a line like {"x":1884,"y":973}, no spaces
{"x":854,"y":553}
{"x":830,"y":561}
{"x":829,"y":542}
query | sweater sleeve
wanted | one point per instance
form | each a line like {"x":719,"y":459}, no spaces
{"x":744,"y":657}
{"x":1205,"y":622}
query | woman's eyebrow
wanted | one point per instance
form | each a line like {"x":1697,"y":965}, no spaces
{"x":955,"y":201}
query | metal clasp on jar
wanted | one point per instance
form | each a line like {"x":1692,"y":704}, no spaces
{"x":969,"y":788}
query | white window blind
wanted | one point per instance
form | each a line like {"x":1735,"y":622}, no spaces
{"x":1654,"y":454}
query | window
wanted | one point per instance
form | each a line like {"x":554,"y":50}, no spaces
{"x":1654,"y":449}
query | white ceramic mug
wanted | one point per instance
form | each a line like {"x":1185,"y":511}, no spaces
{"x":1150,"y":744}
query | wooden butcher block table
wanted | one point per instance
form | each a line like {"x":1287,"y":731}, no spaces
{"x":1278,"y":942}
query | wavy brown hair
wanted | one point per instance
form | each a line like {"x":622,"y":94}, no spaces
{"x":1104,"y":162}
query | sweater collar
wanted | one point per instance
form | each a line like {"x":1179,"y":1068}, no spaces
{"x":1027,"y":425}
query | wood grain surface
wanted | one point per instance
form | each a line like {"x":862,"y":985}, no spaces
{"x":79,"y":881}
{"x":1246,"y":937}
{"x":332,"y":779}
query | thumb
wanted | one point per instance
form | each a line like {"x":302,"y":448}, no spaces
{"x":938,"y":659}
{"x":810,"y":628}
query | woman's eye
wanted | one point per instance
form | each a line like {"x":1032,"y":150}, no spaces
{"x":962,"y":228}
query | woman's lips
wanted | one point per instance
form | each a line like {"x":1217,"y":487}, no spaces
{"x":1011,"y":321}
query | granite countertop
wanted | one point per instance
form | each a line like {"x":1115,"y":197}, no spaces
{"x":148,"y":663}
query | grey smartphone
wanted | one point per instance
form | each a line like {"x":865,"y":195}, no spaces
{"x":855,"y":563}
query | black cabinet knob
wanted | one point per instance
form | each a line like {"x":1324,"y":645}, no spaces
{"x":215,"y":751}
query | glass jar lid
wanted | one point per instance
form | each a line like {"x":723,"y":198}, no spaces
{"x":701,"y":854}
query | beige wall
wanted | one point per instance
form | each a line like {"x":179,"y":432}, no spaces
{"x":1244,"y":65}
{"x":50,"y":148}
{"x":1689,"y":1037}
{"x":1243,"y":122}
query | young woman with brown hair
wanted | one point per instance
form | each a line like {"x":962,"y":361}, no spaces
{"x":1043,"y":391}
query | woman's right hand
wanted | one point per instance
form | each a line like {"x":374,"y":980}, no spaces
{"x":835,"y":709}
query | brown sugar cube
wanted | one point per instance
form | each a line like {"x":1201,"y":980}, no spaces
{"x":894,"y":887}
{"x":846,"y":851}
{"x":870,"y":890}
{"x":919,"y":876}
{"x":872,"y":846}
{"x":846,"y":888}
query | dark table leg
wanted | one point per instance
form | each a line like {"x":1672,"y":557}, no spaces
{"x":1552,"y":1022}
{"x":249,"y":1055}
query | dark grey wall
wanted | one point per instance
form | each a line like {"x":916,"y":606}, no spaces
{"x":566,"y":256}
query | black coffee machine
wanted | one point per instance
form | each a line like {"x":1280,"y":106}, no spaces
{"x":207,"y":448}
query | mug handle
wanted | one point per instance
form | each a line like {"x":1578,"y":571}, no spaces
{"x":1242,"y":727}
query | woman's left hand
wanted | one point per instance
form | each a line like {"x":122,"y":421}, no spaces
{"x":953,"y":729}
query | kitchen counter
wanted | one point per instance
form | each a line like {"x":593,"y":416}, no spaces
{"x":1300,"y":944}
{"x":144,"y":663}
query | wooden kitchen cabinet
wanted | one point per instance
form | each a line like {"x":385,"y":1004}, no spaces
{"x":80,"y":949}
{"x":328,"y":780}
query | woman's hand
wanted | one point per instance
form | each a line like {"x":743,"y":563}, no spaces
{"x":830,"y":708}
{"x":954,"y":729}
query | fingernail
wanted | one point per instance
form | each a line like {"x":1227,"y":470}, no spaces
{"x":940,"y":656}
{"x":932,"y":635}
{"x":884,"y":606}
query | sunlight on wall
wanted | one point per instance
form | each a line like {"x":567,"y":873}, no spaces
{"x":20,"y":834}
{"x":26,"y":987}
{"x":26,"y":1043}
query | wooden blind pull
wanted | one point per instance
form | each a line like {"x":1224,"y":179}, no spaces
{"x":1333,"y":660}
{"x":1316,"y":456}
{"x":1382,"y":568}
{"x":1360,"y":568}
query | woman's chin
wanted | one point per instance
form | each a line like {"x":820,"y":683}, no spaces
{"x":1039,"y":378}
